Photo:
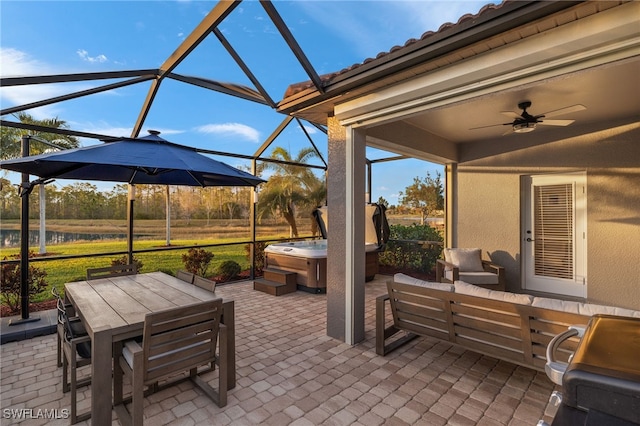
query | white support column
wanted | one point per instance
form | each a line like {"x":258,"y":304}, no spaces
{"x":451,"y":215}
{"x":355,"y":235}
{"x":346,"y":254}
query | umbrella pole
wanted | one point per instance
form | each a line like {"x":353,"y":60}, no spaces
{"x":132,"y":199}
{"x":25,"y":187}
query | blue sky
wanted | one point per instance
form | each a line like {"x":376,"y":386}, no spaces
{"x":55,"y":37}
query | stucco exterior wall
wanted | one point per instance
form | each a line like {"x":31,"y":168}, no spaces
{"x":488,"y":199}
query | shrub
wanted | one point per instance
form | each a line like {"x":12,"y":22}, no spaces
{"x":258,"y":256}
{"x":404,"y":253}
{"x":197,"y":261}
{"x":228,"y":270}
{"x":124,"y":260}
{"x":10,"y":282}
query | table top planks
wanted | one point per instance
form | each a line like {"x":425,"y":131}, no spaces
{"x":120,"y":303}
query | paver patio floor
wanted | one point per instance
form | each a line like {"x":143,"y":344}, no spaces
{"x":289,"y":372}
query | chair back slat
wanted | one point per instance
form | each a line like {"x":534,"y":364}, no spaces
{"x":185,"y":276}
{"x":180,"y":339}
{"x":179,"y":360}
{"x":96,"y":273}
{"x":204,"y":283}
{"x":169,"y":323}
{"x":177,"y":336}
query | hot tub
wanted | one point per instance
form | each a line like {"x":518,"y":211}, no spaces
{"x":308,"y":259}
{"x":309,"y":249}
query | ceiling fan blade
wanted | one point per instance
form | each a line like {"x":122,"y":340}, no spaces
{"x":492,"y":125}
{"x":510,"y":114}
{"x":565,"y":110}
{"x":556,"y":122}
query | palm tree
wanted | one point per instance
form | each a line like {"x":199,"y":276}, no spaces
{"x":10,"y":138}
{"x":11,"y":147}
{"x":291,"y":187}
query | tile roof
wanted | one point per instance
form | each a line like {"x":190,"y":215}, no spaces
{"x":327,"y":78}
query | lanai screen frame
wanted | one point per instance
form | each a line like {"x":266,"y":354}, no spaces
{"x":209,"y":25}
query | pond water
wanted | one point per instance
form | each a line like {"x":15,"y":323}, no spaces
{"x":11,"y":238}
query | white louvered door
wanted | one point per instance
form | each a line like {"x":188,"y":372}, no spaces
{"x":555,"y":234}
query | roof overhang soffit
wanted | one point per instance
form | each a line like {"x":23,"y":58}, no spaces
{"x":592,"y":41}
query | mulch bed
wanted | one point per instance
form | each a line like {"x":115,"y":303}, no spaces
{"x":5,"y":311}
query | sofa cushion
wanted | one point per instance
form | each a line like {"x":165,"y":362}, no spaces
{"x":473,"y":290}
{"x":591,"y":309}
{"x":466,"y":259}
{"x":586,"y":309}
{"x":406,"y":279}
{"x":556,"y":304}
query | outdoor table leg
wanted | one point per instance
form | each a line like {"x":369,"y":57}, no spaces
{"x":101,"y":356}
{"x":228,"y":319}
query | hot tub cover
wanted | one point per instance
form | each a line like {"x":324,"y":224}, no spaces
{"x":376,"y":228}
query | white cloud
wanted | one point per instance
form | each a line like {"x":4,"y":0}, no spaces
{"x":380,"y":25}
{"x":231,"y":129}
{"x":16,"y":63}
{"x":91,"y":59}
{"x":430,"y":15}
{"x":311,"y":130}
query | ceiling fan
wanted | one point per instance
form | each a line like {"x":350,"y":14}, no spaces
{"x":525,"y":122}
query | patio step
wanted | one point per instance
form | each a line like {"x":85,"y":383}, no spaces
{"x":276,"y":282}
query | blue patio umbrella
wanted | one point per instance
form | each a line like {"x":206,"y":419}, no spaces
{"x":150,"y":160}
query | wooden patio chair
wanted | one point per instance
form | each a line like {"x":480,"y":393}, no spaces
{"x":76,"y":348}
{"x":204,"y":283}
{"x":96,"y":273}
{"x":174,"y":341}
{"x":69,"y":313}
{"x":463,"y":264}
{"x":185,"y":276}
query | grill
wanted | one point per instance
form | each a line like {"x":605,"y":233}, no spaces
{"x":601,"y":383}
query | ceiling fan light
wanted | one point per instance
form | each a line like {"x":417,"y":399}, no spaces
{"x":524,"y":127}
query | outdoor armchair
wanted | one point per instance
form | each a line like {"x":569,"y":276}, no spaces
{"x":205,"y":283}
{"x":174,"y":341}
{"x":96,"y":273}
{"x":76,"y":348}
{"x":65,"y":311}
{"x":185,"y":276}
{"x":466,"y":264}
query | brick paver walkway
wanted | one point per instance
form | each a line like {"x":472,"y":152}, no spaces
{"x":290,"y":373}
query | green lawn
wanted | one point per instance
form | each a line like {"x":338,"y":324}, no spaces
{"x":62,"y":271}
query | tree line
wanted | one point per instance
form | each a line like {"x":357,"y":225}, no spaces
{"x":291,"y":190}
{"x":84,"y":201}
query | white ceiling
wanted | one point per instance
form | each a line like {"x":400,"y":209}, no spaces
{"x":609,"y":93}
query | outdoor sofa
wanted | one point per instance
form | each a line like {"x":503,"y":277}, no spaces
{"x":508,"y":326}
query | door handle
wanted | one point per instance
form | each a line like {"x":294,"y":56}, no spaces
{"x":529,"y":240}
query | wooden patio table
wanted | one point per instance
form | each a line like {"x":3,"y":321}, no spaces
{"x":113,"y":310}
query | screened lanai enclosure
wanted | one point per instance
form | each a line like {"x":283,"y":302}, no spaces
{"x":292,"y":160}
{"x":519,"y":96}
